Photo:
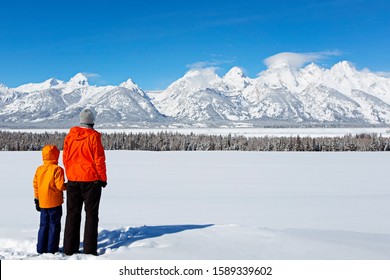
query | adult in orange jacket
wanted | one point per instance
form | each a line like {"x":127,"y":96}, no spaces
{"x":85,"y":166}
{"x":48,"y":187}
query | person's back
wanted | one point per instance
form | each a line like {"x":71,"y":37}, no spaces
{"x":84,"y":157}
{"x":85,"y":166}
{"x":48,"y":186}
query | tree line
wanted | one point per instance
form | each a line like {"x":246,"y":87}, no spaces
{"x":168,"y":141}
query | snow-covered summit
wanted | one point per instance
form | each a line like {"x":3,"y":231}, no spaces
{"x":6,"y":94}
{"x":344,"y":67}
{"x":280,"y":75}
{"x":79,"y":80}
{"x":235,"y":77}
{"x":31,"y":87}
{"x":196,"y":79}
{"x":53,"y":82}
{"x":130,"y":85}
{"x":3,"y":88}
{"x":235,"y":72}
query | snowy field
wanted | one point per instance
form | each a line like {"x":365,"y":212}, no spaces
{"x":219,"y":205}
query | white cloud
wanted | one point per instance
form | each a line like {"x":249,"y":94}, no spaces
{"x":202,"y":64}
{"x":298,"y":59}
{"x":213,"y":63}
{"x":91,"y":75}
{"x":379,"y":73}
{"x":203,"y":68}
{"x":383,"y":74}
{"x":95,"y":79}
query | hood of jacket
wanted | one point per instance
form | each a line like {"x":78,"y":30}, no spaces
{"x":80,"y":133}
{"x":50,"y":154}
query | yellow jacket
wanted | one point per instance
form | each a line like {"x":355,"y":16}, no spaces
{"x":49,"y":179}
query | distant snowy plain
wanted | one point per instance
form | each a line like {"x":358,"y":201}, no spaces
{"x":218,"y":205}
{"x":244,"y":131}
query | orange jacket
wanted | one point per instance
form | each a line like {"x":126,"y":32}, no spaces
{"x":83,"y":155}
{"x":49,"y":179}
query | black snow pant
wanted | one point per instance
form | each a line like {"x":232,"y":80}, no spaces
{"x":78,"y":193}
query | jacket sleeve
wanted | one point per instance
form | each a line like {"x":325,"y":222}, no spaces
{"x":35,"y":185}
{"x":65,"y":152}
{"x":59,"y":179}
{"x":99,"y":157}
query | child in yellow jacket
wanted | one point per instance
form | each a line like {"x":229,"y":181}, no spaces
{"x":49,"y":185}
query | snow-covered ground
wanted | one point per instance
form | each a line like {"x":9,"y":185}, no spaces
{"x":219,"y":205}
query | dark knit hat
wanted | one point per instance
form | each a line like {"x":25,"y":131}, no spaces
{"x":87,"y":117}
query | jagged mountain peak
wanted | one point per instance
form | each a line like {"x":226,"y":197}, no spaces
{"x":196,"y":79}
{"x":3,"y":87}
{"x":79,"y":79}
{"x":47,"y":84}
{"x":312,"y":67}
{"x":235,"y":80}
{"x":235,"y":72}
{"x":345,"y":67}
{"x":5,"y":92}
{"x":129,"y":84}
{"x":279,"y":75}
{"x":52,"y":82}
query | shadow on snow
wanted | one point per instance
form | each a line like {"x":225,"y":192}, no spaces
{"x":113,"y":239}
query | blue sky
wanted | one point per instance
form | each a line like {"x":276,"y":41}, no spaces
{"x":157,"y":42}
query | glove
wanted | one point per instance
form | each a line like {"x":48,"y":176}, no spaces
{"x":36,"y":201}
{"x":101,"y":183}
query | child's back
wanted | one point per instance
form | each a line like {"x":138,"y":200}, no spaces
{"x":48,"y":192}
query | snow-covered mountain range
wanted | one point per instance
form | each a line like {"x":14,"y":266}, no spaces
{"x":280,"y":96}
{"x":55,"y":103}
